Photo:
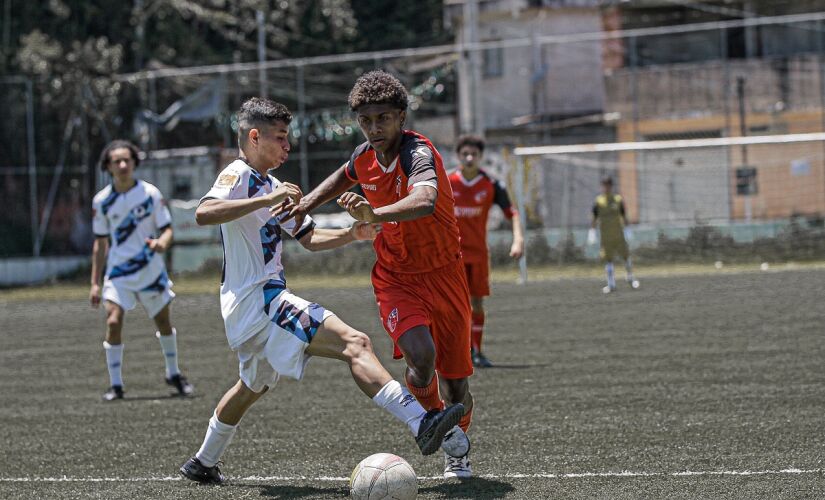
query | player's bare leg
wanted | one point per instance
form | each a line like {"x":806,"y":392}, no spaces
{"x":418,"y":348}
{"x":168,"y":338}
{"x":477,"y":333}
{"x":335,"y":339}
{"x":114,"y":350}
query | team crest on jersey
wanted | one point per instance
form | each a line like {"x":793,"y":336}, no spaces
{"x":398,"y":186}
{"x":392,"y":320}
{"x":479,"y":197}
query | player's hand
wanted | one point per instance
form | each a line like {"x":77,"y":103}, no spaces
{"x":628,"y":234}
{"x":156,"y":245}
{"x":517,"y":249}
{"x":591,"y":236}
{"x":357,"y":206}
{"x":361,"y":231}
{"x":298,"y":210}
{"x":94,"y":296}
{"x":286,"y":191}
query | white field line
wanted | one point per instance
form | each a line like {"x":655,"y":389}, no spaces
{"x":571,"y":475}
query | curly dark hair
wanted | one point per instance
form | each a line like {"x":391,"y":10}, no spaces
{"x":378,"y":87}
{"x":607,"y":180}
{"x":259,"y":111}
{"x":104,"y":159}
{"x":470,"y":140}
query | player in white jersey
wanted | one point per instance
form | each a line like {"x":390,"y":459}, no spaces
{"x":273,"y":331}
{"x":132,"y":224}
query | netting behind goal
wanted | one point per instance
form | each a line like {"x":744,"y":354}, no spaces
{"x":706,"y":182}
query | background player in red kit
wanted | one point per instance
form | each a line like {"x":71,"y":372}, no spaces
{"x":475,"y":192}
{"x":418,"y":278}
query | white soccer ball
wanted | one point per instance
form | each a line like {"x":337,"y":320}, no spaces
{"x":383,"y":475}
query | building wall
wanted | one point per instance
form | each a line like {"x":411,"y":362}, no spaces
{"x":791,"y":177}
{"x":563,"y":79}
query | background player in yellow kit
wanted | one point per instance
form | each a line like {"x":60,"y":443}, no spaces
{"x":609,"y":215}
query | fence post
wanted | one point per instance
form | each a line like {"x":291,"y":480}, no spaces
{"x":32,"y":166}
{"x":522,"y":215}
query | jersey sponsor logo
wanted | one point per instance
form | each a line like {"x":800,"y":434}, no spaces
{"x":392,"y":320}
{"x":369,"y":187}
{"x":226,"y":180}
{"x":467,"y":211}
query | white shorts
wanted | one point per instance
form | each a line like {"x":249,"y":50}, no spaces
{"x":153,"y":300}
{"x":280,"y":347}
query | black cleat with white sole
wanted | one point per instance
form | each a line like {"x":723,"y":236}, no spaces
{"x":193,"y":469}
{"x":181,"y":385}
{"x":113,"y":393}
{"x":435,"y":425}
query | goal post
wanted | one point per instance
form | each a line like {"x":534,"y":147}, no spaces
{"x":669,"y":186}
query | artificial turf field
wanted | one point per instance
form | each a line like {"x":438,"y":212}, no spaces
{"x":691,"y":387}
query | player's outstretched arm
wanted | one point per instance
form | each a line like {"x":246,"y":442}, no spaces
{"x":99,"y":249}
{"x":215,"y":211}
{"x":327,"y":239}
{"x":332,"y":186}
{"x":420,"y":203}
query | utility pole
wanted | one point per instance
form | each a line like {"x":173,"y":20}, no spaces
{"x":469,"y":71}
{"x":259,"y":17}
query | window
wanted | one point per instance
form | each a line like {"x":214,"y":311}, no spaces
{"x":493,"y":63}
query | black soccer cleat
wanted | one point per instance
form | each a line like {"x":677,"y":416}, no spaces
{"x":181,"y":385}
{"x":193,"y":469}
{"x":435,"y":425}
{"x":114,"y":392}
{"x":481,"y":361}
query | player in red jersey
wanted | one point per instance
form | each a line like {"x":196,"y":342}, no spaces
{"x":418,"y":279}
{"x":475,"y":193}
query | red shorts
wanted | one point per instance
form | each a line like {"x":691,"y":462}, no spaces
{"x":478,"y":278}
{"x":439,"y":300}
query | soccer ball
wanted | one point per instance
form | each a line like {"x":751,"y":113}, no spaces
{"x":383,"y":475}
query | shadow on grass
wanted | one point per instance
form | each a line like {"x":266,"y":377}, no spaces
{"x":128,"y":399}
{"x":505,"y":366}
{"x":475,"y":488}
{"x":288,"y":491}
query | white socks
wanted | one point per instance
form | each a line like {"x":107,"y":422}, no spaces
{"x":169,"y":346}
{"x":218,"y":437}
{"x":628,"y":267}
{"x":397,"y":400}
{"x":114,"y":361}
{"x":611,"y":279}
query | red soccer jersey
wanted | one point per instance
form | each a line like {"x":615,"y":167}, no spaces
{"x":473,"y":200}
{"x":414,"y":246}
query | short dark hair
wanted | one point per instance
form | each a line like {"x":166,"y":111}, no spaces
{"x":259,"y":111}
{"x":104,"y":159}
{"x":378,"y":87}
{"x":470,"y":140}
{"x":607,"y":180}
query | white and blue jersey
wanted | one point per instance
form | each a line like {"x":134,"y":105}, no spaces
{"x":253,"y":275}
{"x":128,"y":219}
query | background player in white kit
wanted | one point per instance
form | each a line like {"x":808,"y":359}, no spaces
{"x":131,"y":214}
{"x":273,"y":331}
